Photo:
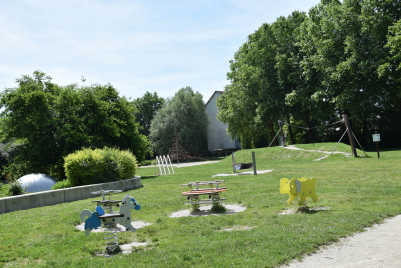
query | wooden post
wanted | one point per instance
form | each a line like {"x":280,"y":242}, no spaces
{"x":378,"y":154}
{"x":254,"y":163}
{"x":350,"y":135}
{"x":233,"y":156}
{"x":282,"y":133}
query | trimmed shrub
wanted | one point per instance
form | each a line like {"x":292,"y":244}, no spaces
{"x":146,"y":163}
{"x":89,"y":166}
{"x":62,"y":184}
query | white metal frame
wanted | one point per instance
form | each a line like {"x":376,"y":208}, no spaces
{"x":161,"y":161}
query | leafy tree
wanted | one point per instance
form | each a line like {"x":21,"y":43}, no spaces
{"x":147,"y":106}
{"x":263,"y":72}
{"x":359,"y":89}
{"x":344,"y":57}
{"x":241,"y":104}
{"x":185,"y":113}
{"x":52,"y":121}
{"x":390,"y":70}
{"x":320,"y":48}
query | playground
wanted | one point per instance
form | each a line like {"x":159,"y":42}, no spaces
{"x":353,"y":193}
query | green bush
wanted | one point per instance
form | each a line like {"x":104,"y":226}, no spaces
{"x":89,"y":166}
{"x":15,"y":188}
{"x":62,"y":184}
{"x":146,"y":163}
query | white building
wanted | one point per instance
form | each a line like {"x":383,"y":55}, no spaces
{"x":217,"y":137}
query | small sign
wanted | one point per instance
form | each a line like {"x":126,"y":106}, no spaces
{"x":376,"y":137}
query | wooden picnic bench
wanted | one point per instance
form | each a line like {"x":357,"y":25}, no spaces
{"x":213,"y":192}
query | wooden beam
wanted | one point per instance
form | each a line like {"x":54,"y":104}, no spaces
{"x":254,"y":163}
{"x":350,"y":135}
{"x":233,"y":156}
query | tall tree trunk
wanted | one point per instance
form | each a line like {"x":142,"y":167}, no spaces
{"x":398,"y":100}
{"x":310,"y":131}
{"x":290,"y":130}
{"x":363,"y":133}
{"x":272,"y":132}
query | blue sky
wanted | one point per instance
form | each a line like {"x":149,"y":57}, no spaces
{"x":137,"y":46}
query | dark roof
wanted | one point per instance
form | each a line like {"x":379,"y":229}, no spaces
{"x":217,"y":91}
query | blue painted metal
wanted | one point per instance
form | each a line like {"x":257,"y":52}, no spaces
{"x":99,"y":210}
{"x":93,"y":222}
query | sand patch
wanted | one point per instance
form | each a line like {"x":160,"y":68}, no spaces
{"x":243,"y":173}
{"x":239,"y":228}
{"x":206,"y":211}
{"x":125,"y":248}
{"x":120,"y":228}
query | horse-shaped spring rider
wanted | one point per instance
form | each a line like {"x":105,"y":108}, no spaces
{"x":110,"y":219}
{"x":303,"y":188}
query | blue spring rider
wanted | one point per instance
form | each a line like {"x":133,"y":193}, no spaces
{"x":110,"y":219}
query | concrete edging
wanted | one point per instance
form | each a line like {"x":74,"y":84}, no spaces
{"x":53,"y":197}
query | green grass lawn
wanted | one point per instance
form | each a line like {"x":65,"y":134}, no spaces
{"x":354,"y":193}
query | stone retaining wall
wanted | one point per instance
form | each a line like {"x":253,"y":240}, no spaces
{"x":52,"y":197}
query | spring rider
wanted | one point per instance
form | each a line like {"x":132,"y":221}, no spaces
{"x":110,"y":219}
{"x":303,"y":188}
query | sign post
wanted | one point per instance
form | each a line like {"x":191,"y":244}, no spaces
{"x":376,"y":138}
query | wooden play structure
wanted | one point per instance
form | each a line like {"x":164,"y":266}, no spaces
{"x":241,"y":166}
{"x":303,"y":188}
{"x":104,"y":215}
{"x":195,"y":193}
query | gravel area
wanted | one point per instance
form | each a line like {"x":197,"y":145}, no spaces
{"x":120,"y":228}
{"x":292,"y":147}
{"x":206,"y":211}
{"x":243,"y":173}
{"x":378,"y":246}
{"x":186,"y":164}
{"x":125,"y":248}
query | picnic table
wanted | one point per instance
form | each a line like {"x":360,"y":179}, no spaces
{"x":213,"y":192}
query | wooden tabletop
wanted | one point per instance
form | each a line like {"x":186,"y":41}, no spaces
{"x":203,"y":192}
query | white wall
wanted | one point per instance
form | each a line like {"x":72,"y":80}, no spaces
{"x":217,"y":137}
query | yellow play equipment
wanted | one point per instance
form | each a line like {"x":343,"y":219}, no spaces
{"x":299,"y":187}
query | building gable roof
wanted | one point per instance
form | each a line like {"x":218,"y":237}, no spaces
{"x":217,"y":91}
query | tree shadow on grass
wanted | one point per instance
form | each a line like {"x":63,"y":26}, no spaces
{"x":304,"y":210}
{"x":148,"y":177}
{"x":313,"y":210}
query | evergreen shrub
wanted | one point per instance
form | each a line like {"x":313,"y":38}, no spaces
{"x":15,"y":188}
{"x":89,"y":166}
{"x":62,"y":184}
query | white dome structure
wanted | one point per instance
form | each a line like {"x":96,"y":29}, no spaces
{"x":37,"y":182}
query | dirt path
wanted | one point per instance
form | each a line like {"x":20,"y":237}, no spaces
{"x":187,"y":164}
{"x":292,"y":147}
{"x":379,"y":246}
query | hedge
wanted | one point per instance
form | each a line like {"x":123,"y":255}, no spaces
{"x":89,"y":166}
